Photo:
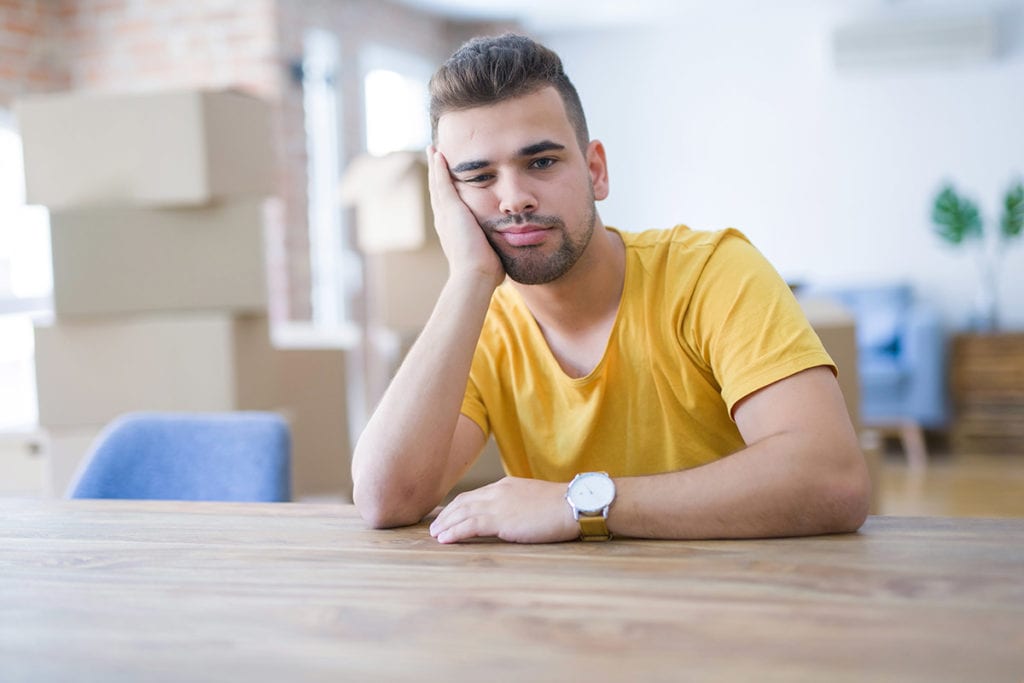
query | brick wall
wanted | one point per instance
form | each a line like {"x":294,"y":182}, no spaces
{"x":139,"y":45}
{"x":33,"y":55}
{"x":142,"y":45}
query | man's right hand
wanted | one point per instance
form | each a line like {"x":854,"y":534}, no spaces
{"x":467,"y":249}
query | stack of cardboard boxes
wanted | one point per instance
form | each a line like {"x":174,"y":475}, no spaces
{"x":159,"y":204}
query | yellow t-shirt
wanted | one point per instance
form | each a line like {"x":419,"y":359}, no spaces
{"x":704,"y":321}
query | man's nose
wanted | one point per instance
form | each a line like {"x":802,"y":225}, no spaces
{"x":515,"y":196}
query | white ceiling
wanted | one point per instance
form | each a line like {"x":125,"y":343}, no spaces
{"x":541,"y":15}
{"x":548,"y":14}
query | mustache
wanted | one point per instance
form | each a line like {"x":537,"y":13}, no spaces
{"x":520,"y":219}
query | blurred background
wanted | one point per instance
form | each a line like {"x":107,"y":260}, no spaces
{"x":824,"y":129}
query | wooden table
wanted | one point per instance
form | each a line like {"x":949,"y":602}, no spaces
{"x":156,"y":591}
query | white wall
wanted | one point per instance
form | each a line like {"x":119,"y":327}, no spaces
{"x":733,"y":114}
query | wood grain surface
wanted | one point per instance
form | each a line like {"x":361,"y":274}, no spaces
{"x":163,"y":591}
{"x":987,"y":387}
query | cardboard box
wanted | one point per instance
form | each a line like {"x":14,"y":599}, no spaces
{"x":391,"y":200}
{"x":405,"y":267}
{"x":128,"y":260}
{"x":402,"y":287}
{"x":310,"y":392}
{"x":178,"y":148}
{"x":90,"y":372}
{"x":87,"y":373}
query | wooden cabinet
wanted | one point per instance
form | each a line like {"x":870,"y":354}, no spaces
{"x":987,"y":382}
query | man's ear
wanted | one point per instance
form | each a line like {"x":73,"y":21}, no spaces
{"x":597,"y":164}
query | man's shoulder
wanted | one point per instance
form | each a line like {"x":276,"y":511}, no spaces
{"x":679,"y":236}
{"x":681,"y":246}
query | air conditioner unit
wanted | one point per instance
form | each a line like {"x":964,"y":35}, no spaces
{"x":920,"y":41}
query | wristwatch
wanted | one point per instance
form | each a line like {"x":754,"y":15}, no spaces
{"x":590,"y":494}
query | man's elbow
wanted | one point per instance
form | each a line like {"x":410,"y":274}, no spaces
{"x":382,"y":511}
{"x":850,"y":499}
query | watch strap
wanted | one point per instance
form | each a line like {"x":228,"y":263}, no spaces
{"x":594,"y":528}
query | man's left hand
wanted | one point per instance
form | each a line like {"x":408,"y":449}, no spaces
{"x":513,"y":509}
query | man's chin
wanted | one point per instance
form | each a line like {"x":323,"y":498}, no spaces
{"x":535,"y":265}
{"x":535,"y":273}
{"x":532,"y":279}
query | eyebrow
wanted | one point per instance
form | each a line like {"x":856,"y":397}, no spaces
{"x":469,"y":166}
{"x":538,"y":147}
{"x":528,"y":151}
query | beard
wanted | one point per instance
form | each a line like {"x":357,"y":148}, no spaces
{"x":529,"y":265}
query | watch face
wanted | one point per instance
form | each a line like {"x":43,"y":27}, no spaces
{"x":591,"y":492}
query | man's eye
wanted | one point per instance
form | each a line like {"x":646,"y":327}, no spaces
{"x":478,"y":179}
{"x":542,"y":163}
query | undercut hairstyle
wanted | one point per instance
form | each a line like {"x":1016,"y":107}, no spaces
{"x":489,"y":70}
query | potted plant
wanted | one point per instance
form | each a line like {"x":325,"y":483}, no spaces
{"x":957,"y":220}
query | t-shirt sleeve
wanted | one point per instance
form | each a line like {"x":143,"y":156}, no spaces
{"x":472,"y":401}
{"x":745,"y":324}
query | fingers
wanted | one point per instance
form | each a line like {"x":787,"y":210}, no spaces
{"x":467,"y":528}
{"x":432,"y":155}
{"x":512,"y":509}
{"x":444,"y":198}
{"x":461,"y":519}
{"x":439,"y":181}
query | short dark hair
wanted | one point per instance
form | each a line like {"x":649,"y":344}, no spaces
{"x":488,"y":70}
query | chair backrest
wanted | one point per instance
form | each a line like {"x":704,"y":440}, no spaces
{"x":880,"y":312}
{"x":238,"y":456}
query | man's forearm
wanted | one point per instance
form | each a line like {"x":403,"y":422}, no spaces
{"x":781,"y":486}
{"x":778,"y":487}
{"x":801,"y":473}
{"x":400,"y":463}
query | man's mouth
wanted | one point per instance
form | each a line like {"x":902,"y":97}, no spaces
{"x":525,"y":235}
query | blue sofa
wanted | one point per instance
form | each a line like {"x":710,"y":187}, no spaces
{"x":901,"y":355}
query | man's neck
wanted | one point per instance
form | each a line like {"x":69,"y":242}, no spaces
{"x":588,"y":295}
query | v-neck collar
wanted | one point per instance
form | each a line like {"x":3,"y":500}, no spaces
{"x":541,"y":341}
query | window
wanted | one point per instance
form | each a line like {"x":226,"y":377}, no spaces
{"x":395,"y":96}
{"x":396,"y":100}
{"x":333,"y":267}
{"x":26,"y":282}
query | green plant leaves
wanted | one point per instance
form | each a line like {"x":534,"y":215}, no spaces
{"x":956,"y":218}
{"x":1013,"y":211}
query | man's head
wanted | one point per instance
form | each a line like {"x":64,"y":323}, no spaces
{"x":517,"y":155}
{"x":490,"y":70}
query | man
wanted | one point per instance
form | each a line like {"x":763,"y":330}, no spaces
{"x":670,"y":375}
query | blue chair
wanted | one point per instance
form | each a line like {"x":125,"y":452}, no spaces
{"x":238,"y":456}
{"x":901,"y":361}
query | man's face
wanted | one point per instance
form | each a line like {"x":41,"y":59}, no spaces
{"x":519,"y":169}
